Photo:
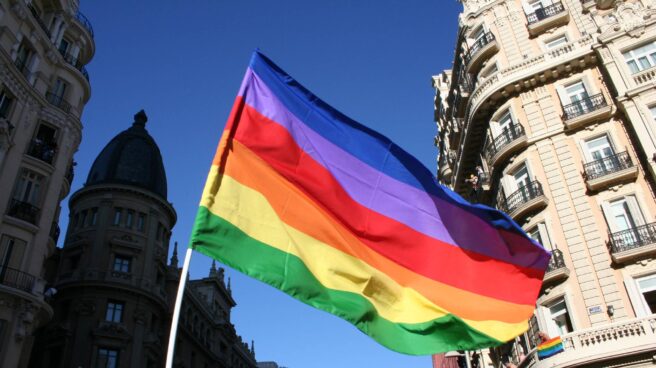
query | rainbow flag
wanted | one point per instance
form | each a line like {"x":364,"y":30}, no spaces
{"x":550,"y":348}
{"x":334,"y":214}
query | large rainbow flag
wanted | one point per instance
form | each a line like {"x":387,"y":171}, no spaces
{"x":336,"y":215}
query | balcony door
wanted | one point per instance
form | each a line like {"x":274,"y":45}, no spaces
{"x":522,"y":183}
{"x":578,"y":96}
{"x":558,"y":320}
{"x":600,"y":151}
{"x":11,"y":255}
{"x":504,"y":127}
{"x":624,"y":219}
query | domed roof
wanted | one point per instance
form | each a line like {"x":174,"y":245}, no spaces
{"x":131,"y":158}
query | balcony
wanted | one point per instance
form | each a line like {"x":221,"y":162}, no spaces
{"x":507,"y":142}
{"x":556,"y":270}
{"x":16,"y":279}
{"x":59,"y":102}
{"x":84,"y":22}
{"x":633,"y":243}
{"x":44,"y":151}
{"x":545,"y":18}
{"x":54,"y":232}
{"x":608,"y":346}
{"x":589,"y":109}
{"x":609,"y":170}
{"x":75,"y":63}
{"x":524,"y":200}
{"x":38,"y":19}
{"x":483,"y":47}
{"x":23,"y":211}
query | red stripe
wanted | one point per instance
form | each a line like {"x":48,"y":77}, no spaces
{"x":409,"y":248}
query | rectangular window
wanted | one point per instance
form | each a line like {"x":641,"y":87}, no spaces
{"x":141,"y":222}
{"x":94,"y":217}
{"x":129,"y":218}
{"x":114,"y":311}
{"x":641,"y":58}
{"x":576,"y":92}
{"x":160,"y":231}
{"x":122,"y":264}
{"x":107,"y":358}
{"x":653,"y":112}
{"x":28,"y":187}
{"x":5,"y":104}
{"x":118,"y":212}
{"x":647,"y":288}
{"x":63,"y":46}
{"x":558,"y":319}
{"x":83,"y":218}
{"x":23,"y":55}
{"x":11,"y":252}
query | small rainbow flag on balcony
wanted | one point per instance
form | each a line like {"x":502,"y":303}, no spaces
{"x":334,"y":214}
{"x":550,"y":348}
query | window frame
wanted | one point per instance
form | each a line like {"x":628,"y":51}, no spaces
{"x":632,"y":57}
{"x":107,"y":357}
{"x":124,"y":263}
{"x":114,"y":311}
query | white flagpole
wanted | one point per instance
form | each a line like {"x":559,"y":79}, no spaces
{"x":176,"y":309}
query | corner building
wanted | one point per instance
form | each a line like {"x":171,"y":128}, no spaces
{"x":116,"y":290}
{"x":44,"y":86}
{"x":551,"y":105}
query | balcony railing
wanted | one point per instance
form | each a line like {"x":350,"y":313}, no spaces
{"x":480,"y":43}
{"x":54,"y":232}
{"x":21,"y":65}
{"x":85,"y":22}
{"x":23,"y":210}
{"x":556,"y":262}
{"x":607,"y":165}
{"x":36,"y":15}
{"x":16,"y":279}
{"x":584,"y":106}
{"x":506,"y":137}
{"x":75,"y":63}
{"x":44,"y":151}
{"x":544,"y":13}
{"x":521,"y":196}
{"x":58,"y":101}
{"x":633,"y":238}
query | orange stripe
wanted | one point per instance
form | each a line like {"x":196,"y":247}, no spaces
{"x":300,"y":212}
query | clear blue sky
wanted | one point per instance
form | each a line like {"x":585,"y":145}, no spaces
{"x":182,"y":61}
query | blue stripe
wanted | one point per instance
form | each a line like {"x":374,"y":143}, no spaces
{"x":369,"y":146}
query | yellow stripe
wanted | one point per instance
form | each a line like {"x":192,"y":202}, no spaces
{"x":249,"y":211}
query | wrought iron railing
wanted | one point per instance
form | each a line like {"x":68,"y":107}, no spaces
{"x":21,"y":65}
{"x":85,"y":22}
{"x":507,"y":136}
{"x":23,"y":210}
{"x":466,"y":83}
{"x":36,"y":15}
{"x":557,"y":261}
{"x":75,"y":63}
{"x":584,"y":106}
{"x":607,"y":165}
{"x":44,"y":151}
{"x":546,"y":12}
{"x":478,"y":45}
{"x":521,"y":196}
{"x":16,"y":279}
{"x":54,"y":232}
{"x":633,"y":238}
{"x":58,"y":101}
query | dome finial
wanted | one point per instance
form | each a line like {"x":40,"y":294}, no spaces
{"x":140,"y":119}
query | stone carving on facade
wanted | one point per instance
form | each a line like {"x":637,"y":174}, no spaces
{"x":113,"y":330}
{"x":140,"y":316}
{"x":628,"y":17}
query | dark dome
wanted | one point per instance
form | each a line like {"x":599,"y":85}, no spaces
{"x":131,"y":158}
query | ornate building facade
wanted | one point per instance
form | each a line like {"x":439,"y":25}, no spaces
{"x":44,"y":86}
{"x":116,"y":289}
{"x":549,"y":114}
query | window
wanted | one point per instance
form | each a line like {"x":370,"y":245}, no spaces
{"x":540,"y":234}
{"x":63,"y":46}
{"x":118,"y":212}
{"x":44,"y":143}
{"x":28,"y":187}
{"x":504,"y":125}
{"x":121,"y":264}
{"x":59,"y":89}
{"x":11,"y":253}
{"x":129,"y":219}
{"x":624,"y":214}
{"x":114,"y":311}
{"x":141,"y":222}
{"x":647,"y":289}
{"x":5,"y":104}
{"x":653,"y":112}
{"x":107,"y":358}
{"x":556,"y":42}
{"x":83,"y":218}
{"x":576,"y":92}
{"x":599,"y":148}
{"x":94,"y":217}
{"x":160,"y":231}
{"x":23,"y":55}
{"x":641,"y":58}
{"x":557,"y":318}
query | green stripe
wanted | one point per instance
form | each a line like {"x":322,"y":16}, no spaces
{"x":219,"y":239}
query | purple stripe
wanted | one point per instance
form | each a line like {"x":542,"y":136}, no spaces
{"x":390,"y":197}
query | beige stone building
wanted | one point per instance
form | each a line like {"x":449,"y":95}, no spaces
{"x":551,"y":105}
{"x":44,"y":86}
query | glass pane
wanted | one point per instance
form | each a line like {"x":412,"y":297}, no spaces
{"x":647,"y":284}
